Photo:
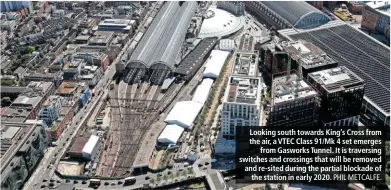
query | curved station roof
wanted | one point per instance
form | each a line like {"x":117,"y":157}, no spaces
{"x":220,"y":23}
{"x":163,"y":39}
{"x":298,"y":13}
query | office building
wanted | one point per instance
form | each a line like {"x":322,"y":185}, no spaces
{"x":341,"y":92}
{"x":294,"y":102}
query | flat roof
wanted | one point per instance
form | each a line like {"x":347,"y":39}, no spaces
{"x":336,"y":79}
{"x":245,"y":90}
{"x":16,"y":140}
{"x":27,"y":101}
{"x":201,"y":94}
{"x":171,"y":134}
{"x":15,"y":114}
{"x":67,"y":87}
{"x":286,"y":89}
{"x":91,"y":143}
{"x":79,"y":144}
{"x":360,"y":53}
{"x":310,"y":55}
{"x":184,"y":113}
{"x":246,"y":64}
{"x":215,"y":63}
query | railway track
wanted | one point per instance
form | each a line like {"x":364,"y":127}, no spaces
{"x":130,"y":122}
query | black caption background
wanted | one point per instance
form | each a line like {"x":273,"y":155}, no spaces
{"x":244,"y":149}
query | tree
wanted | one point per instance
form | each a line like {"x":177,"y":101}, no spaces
{"x":30,"y":49}
{"x":7,"y":82}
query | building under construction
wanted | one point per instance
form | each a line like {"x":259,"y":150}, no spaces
{"x":294,"y":102}
{"x":342,"y":94}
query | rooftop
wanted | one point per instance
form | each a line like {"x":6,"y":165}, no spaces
{"x":336,"y":79}
{"x":40,"y":86}
{"x":196,"y":57}
{"x":51,"y":100}
{"x":13,"y":137}
{"x":101,"y":37}
{"x":14,"y":114}
{"x":115,"y":22}
{"x":309,"y":54}
{"x":294,"y":11}
{"x":286,"y":89}
{"x":244,"y":90}
{"x":246,"y":64}
{"x":68,"y":87}
{"x":220,"y":23}
{"x":26,"y":101}
{"x":82,"y":37}
{"x":79,"y":144}
{"x":360,"y":53}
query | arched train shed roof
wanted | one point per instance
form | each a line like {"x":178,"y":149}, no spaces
{"x":164,"y":38}
{"x":297,"y":12}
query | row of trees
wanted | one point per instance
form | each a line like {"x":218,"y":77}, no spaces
{"x":172,"y":176}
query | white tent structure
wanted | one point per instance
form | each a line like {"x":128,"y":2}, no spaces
{"x":184,"y":113}
{"x":215,"y":63}
{"x":202,"y":91}
{"x":170,"y":134}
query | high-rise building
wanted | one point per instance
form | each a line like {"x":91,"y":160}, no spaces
{"x":276,"y":57}
{"x":294,"y":102}
{"x":241,"y":106}
{"x":341,"y":92}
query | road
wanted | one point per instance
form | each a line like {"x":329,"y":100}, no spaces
{"x":53,"y":155}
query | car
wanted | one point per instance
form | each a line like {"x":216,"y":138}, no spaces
{"x":200,"y":165}
{"x":44,"y":180}
{"x":84,"y":182}
{"x":206,"y":163}
{"x":107,"y":183}
{"x":120,"y":182}
{"x":147,"y":178}
{"x":159,"y":175}
{"x":75,"y":182}
{"x":52,"y":180}
{"x":51,"y":184}
{"x":59,"y":181}
{"x":113,"y":183}
{"x":180,"y":169}
{"x":169,"y":172}
{"x":205,"y":168}
{"x":67,"y":181}
{"x":43,"y":186}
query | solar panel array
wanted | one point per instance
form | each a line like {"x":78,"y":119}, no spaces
{"x":363,"y":56}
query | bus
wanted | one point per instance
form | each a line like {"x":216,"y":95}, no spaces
{"x":95,"y":182}
{"x":129,"y":180}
